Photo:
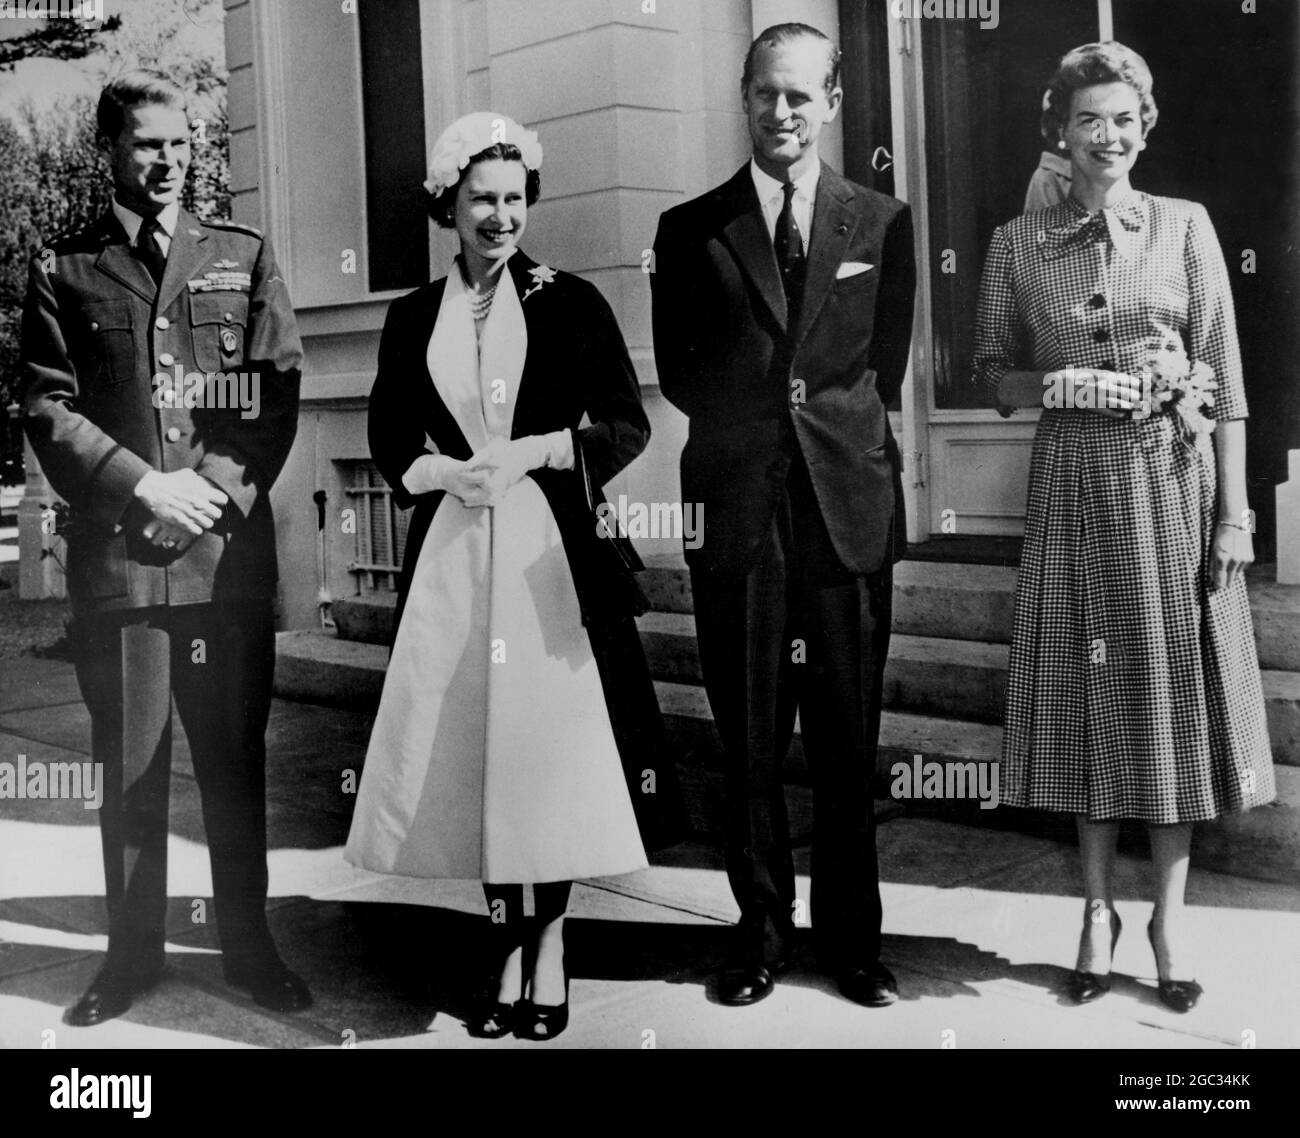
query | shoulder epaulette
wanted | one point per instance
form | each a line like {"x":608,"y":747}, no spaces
{"x":215,"y":223}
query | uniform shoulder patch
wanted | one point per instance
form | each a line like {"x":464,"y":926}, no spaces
{"x":251,"y":230}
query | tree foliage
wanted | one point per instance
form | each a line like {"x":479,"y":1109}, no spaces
{"x":56,"y":177}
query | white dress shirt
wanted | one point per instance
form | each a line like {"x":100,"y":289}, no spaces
{"x":771,"y":195}
{"x":131,"y":222}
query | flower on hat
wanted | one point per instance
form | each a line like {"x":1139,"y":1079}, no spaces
{"x":472,"y":134}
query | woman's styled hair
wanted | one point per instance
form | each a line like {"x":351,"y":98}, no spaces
{"x":133,"y":89}
{"x":442,"y":207}
{"x":1088,"y":65}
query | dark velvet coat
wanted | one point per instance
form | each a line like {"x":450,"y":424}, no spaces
{"x":576,"y":364}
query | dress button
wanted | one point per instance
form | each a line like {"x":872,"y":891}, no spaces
{"x":166,"y":359}
{"x":162,"y":324}
{"x":1107,"y":365}
{"x":1101,"y":335}
{"x":1097,"y":301}
{"x":173,"y":434}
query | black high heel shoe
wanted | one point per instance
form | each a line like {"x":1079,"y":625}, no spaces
{"x":1177,"y":995}
{"x":1084,"y":987}
{"x":542,"y":1022}
{"x":490,"y":1018}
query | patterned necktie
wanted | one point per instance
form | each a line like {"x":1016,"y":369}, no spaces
{"x":149,"y":250}
{"x":789,"y":248}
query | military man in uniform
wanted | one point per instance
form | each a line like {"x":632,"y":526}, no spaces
{"x":162,"y":366}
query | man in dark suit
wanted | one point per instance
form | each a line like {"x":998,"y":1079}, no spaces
{"x":782,"y":322}
{"x":171,"y":547}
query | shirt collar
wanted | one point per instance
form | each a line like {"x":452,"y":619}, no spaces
{"x":131,"y":221}
{"x":768,"y":187}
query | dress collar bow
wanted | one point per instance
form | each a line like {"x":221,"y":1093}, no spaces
{"x":1117,"y":222}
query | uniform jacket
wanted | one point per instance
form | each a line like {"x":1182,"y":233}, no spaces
{"x":756,"y":385}
{"x":95,"y":335}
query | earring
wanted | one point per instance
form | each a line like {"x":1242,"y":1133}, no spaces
{"x":1060,"y":144}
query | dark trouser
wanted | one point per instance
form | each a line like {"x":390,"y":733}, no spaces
{"x":218,"y":661}
{"x":799,"y":632}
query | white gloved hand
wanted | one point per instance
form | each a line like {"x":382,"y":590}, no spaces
{"x":505,"y":461}
{"x":432,"y":472}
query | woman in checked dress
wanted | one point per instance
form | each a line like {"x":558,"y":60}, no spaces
{"x":515,"y":681}
{"x":1134,"y":688}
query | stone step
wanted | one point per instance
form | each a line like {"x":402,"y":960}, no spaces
{"x":317,"y":667}
{"x":955,"y":679}
{"x":977,"y":602}
{"x":931,"y":599}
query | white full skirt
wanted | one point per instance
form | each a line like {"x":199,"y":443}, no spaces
{"x":492,"y":756}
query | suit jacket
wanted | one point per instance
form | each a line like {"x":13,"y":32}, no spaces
{"x":576,"y":364}
{"x":95,"y":334}
{"x":759,"y":387}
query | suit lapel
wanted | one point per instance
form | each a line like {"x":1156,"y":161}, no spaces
{"x":117,"y":261}
{"x":184,"y":256}
{"x":746,"y":234}
{"x":834,"y":221}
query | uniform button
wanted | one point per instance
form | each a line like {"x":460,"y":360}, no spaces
{"x":1097,"y":301}
{"x":162,"y":324}
{"x":166,"y":359}
{"x":1101,"y":335}
{"x":94,"y":325}
{"x":227,"y":317}
{"x":173,"y":434}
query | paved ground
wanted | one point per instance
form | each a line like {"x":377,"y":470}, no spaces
{"x":980,"y":929}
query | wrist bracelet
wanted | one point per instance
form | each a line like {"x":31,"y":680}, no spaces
{"x":1236,"y":525}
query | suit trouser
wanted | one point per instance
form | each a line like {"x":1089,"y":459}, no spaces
{"x":218,"y":661}
{"x":799,"y":632}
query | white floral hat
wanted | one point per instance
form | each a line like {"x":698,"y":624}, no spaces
{"x":471,"y":134}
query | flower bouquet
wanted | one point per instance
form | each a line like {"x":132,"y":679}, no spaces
{"x":1181,"y":386}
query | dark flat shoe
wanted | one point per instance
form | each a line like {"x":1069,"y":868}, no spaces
{"x":110,"y":995}
{"x":272,"y":986}
{"x":738,"y":987}
{"x":872,"y":987}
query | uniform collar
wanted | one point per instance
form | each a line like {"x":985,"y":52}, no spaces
{"x":131,"y":221}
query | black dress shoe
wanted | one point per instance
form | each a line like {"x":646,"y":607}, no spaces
{"x":742,"y":985}
{"x":872,"y":987}
{"x":110,"y":995}
{"x":272,"y":986}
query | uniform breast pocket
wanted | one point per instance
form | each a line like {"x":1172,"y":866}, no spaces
{"x":217,"y":324}
{"x":113,"y":336}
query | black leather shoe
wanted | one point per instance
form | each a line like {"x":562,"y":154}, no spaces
{"x":272,"y":986}
{"x":491,"y":1019}
{"x":110,"y":995}
{"x":743,"y":985}
{"x":872,"y":987}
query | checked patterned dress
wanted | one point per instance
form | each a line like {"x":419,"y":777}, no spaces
{"x":1134,"y":688}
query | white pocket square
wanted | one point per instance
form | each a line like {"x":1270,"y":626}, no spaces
{"x":852,"y":269}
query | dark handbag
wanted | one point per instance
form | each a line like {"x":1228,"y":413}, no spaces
{"x":615,"y":561}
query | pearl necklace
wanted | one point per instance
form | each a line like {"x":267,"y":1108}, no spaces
{"x":481,"y":303}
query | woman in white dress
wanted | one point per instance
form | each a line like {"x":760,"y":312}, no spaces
{"x":493,"y":756}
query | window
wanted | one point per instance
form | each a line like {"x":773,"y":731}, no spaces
{"x":380,"y":529}
{"x":392,"y":97}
